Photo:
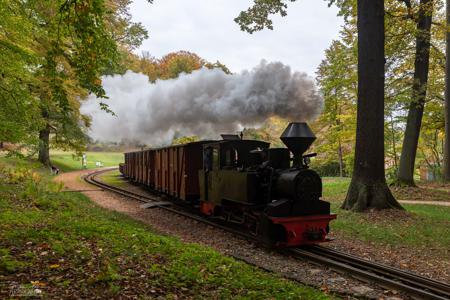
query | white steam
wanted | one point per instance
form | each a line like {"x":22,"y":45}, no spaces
{"x":204,"y":103}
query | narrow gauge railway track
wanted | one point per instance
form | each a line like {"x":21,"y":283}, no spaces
{"x":386,"y":276}
{"x":180,"y":210}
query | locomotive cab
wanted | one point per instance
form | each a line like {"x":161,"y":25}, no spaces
{"x":226,"y":174}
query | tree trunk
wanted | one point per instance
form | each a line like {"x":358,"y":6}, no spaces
{"x":446,"y":170}
{"x":419,"y":92}
{"x":341,"y":160}
{"x":394,"y":144}
{"x":368,"y":188}
{"x":340,"y":156}
{"x":44,"y":141}
{"x":44,"y":147}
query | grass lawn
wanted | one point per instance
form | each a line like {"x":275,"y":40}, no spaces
{"x":421,"y":226}
{"x":418,"y":226}
{"x":113,"y":178}
{"x":64,"y":246}
{"x":67,"y":161}
{"x":335,"y":187}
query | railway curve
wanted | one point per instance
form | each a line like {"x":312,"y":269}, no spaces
{"x":383,"y":275}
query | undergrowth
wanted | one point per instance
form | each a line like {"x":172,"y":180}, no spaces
{"x":64,"y":246}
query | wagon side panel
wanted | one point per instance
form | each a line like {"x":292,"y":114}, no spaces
{"x":151,"y":168}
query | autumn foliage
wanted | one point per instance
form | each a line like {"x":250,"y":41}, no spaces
{"x":172,"y":64}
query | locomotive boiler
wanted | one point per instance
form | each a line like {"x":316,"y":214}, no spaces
{"x":269,"y":192}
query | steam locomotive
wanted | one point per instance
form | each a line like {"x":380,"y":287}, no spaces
{"x":263,"y":190}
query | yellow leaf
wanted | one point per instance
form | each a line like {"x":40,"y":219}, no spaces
{"x":55,"y":266}
{"x":38,"y":284}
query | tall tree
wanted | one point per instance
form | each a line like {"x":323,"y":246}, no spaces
{"x":52,"y":54}
{"x":75,"y":46}
{"x":79,"y":41}
{"x":337,"y":80}
{"x":400,"y":44}
{"x":419,"y":93}
{"x":446,"y":170}
{"x":368,"y":188}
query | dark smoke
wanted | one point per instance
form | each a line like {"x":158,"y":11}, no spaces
{"x":204,"y":103}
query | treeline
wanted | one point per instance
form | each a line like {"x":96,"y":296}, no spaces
{"x":414,"y":39}
{"x":398,"y":48}
{"x":414,"y":90}
{"x":54,"y":53}
{"x":170,"y":65}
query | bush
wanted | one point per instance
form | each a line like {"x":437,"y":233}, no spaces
{"x":328,"y":169}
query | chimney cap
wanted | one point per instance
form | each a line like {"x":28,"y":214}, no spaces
{"x":297,"y":137}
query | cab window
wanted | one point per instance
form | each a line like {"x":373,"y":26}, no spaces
{"x":215,"y":159}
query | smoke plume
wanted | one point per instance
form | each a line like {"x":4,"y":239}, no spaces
{"x":206,"y":102}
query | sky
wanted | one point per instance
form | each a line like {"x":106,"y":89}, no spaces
{"x":206,"y":27}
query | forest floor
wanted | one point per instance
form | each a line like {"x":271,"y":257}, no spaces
{"x":60,"y":244}
{"x":417,"y":238}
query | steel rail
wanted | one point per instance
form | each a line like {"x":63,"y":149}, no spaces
{"x":383,"y":275}
{"x":90,"y":178}
{"x":406,"y":276}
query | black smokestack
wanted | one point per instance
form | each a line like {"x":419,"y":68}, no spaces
{"x":298,"y":137}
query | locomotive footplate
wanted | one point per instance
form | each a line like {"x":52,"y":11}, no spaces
{"x":294,"y":231}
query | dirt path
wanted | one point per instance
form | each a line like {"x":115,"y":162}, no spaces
{"x":73,"y":182}
{"x":441,"y":203}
